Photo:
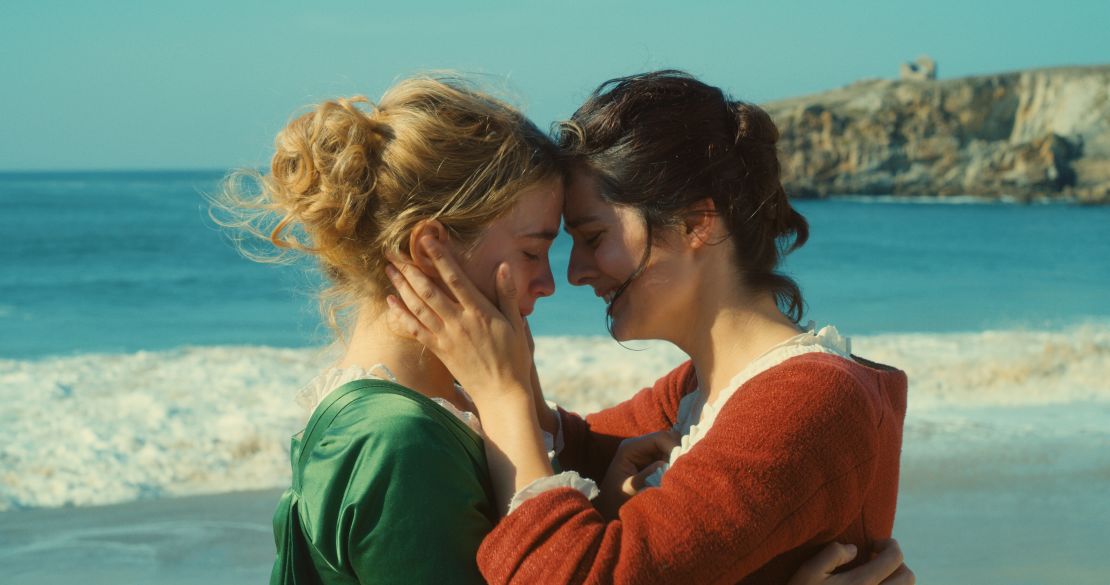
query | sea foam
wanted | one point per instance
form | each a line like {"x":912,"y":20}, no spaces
{"x":103,"y":428}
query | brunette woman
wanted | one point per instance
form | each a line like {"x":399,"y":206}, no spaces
{"x":787,"y":441}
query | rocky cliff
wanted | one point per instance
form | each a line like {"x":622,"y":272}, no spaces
{"x":1027,"y":135}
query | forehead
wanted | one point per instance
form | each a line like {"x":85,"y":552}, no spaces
{"x":537,"y":208}
{"x":583,"y":198}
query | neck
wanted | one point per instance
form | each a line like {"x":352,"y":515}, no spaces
{"x":730,"y":331}
{"x":372,"y":342}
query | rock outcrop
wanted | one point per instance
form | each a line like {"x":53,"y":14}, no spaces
{"x":1026,"y":135}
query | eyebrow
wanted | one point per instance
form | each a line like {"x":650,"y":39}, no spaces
{"x":569,"y":224}
{"x":547,"y":235}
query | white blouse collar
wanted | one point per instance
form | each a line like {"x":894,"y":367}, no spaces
{"x":313,"y":393}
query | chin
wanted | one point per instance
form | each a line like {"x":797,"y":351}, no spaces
{"x":623,"y":331}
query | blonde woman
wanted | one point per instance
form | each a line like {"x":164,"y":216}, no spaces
{"x":390,"y":476}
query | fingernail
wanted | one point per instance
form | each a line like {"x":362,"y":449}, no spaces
{"x":390,"y":271}
{"x":851,"y":549}
{"x":427,"y":242}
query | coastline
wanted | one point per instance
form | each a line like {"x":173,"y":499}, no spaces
{"x":1005,"y":465}
{"x":961,"y":518}
{"x":208,"y":179}
{"x":212,"y":540}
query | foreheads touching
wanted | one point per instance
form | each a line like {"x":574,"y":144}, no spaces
{"x":666,"y":145}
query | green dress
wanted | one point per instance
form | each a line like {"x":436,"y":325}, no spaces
{"x":388,"y":487}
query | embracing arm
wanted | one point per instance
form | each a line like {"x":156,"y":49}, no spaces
{"x":590,"y":442}
{"x":783,"y":470}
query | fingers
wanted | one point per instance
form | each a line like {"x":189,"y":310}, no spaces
{"x":531,"y":340}
{"x":833,"y":556}
{"x":882,"y":566}
{"x":452,"y":274}
{"x":818,"y":569}
{"x":666,"y":440}
{"x":902,"y":576}
{"x":418,"y":303}
{"x":639,"y":481}
{"x":402,"y":322}
{"x":651,"y":447}
{"x":506,"y":297}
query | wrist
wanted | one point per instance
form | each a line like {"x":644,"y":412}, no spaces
{"x":510,"y":395}
{"x":512,"y":410}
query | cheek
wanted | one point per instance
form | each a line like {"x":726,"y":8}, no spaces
{"x":528,"y":274}
{"x":616,"y":260}
{"x":483,"y":274}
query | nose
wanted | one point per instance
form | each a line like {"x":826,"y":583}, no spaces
{"x":581,"y":269}
{"x":544,"y":284}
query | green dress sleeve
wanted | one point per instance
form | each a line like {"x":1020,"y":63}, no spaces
{"x":395,"y":490}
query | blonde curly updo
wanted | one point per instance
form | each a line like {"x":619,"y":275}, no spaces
{"x":349,"y":180}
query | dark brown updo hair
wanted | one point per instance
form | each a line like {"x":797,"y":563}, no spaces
{"x":661,"y":142}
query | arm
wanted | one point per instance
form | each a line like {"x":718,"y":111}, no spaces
{"x":590,"y":443}
{"x":486,"y":349}
{"x":786,"y":464}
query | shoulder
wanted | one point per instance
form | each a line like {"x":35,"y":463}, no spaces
{"x":823,"y":391}
{"x":386,"y":426}
{"x":827,"y":374}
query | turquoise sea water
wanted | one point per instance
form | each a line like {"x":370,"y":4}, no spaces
{"x":142,"y":359}
{"x":117,"y":262}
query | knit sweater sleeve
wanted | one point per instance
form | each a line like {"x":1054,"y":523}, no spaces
{"x":787,"y":463}
{"x":589,"y":443}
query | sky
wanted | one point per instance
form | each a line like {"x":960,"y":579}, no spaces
{"x":124,"y":84}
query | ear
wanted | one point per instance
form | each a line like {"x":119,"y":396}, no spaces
{"x":700,"y":223}
{"x":426,"y":228}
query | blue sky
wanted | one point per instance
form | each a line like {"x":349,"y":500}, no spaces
{"x":205,"y":84}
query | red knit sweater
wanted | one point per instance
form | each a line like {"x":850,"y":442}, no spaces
{"x":801,"y":455}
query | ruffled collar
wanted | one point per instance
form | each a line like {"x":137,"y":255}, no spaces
{"x":312,"y":394}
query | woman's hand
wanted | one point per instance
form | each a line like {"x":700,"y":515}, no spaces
{"x":884,"y":568}
{"x":486,"y":349}
{"x":635,"y":460}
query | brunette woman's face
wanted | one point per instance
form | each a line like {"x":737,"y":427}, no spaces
{"x":521,"y":238}
{"x":609,"y":245}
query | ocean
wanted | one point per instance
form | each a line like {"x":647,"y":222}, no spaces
{"x":143,"y":360}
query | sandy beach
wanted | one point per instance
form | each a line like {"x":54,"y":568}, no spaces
{"x":990,"y":531}
{"x":1005,"y":476}
{"x":217,"y":539}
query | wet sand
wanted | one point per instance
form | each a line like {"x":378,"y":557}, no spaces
{"x":989,"y":495}
{"x":979,"y":536}
{"x":215,"y":540}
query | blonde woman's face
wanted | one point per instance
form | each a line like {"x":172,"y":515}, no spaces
{"x":522,"y":238}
